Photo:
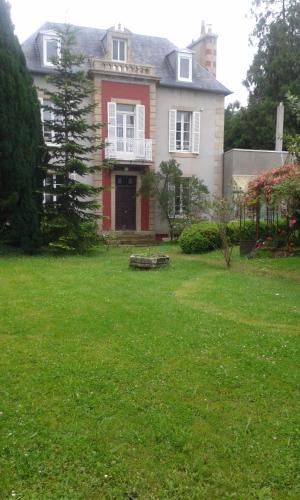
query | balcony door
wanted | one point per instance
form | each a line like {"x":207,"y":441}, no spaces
{"x":125,"y":128}
{"x":125,"y":202}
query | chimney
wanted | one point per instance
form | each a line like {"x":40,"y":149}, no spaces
{"x":205,"y":48}
{"x":279,"y":126}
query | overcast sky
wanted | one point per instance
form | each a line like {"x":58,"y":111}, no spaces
{"x":179,"y":22}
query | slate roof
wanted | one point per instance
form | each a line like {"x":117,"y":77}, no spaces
{"x":148,"y":50}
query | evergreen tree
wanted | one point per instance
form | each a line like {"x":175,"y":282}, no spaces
{"x":273,"y":73}
{"x":70,"y":218}
{"x":20,"y":143}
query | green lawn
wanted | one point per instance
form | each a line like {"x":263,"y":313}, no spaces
{"x":181,"y":383}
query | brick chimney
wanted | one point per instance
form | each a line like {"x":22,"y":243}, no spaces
{"x":205,"y":48}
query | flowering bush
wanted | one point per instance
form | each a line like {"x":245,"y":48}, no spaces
{"x":266,"y":186}
{"x":280,"y":189}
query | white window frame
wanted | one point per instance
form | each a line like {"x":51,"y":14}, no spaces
{"x":46,"y":39}
{"x":189,"y":57}
{"x":119,"y":40}
{"x":182,"y":150}
{"x":48,"y":143}
{"x":194,"y":132}
{"x":124,"y":125}
{"x":54,"y":184}
{"x":181,"y":188}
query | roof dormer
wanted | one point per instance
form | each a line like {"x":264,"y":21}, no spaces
{"x":50,"y":47}
{"x":117,"y":41}
{"x":184,"y":66}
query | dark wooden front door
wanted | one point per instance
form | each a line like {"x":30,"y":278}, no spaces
{"x":125,"y":202}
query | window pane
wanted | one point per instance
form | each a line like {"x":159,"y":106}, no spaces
{"x":51,"y":49}
{"x":129,"y":108}
{"x":115,"y":49}
{"x":130,"y":132}
{"x":119,"y":119}
{"x":184,"y":67}
{"x":119,"y":131}
{"x":130,"y":120}
{"x":121,"y":50}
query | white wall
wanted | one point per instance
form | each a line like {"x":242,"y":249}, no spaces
{"x":208,"y":165}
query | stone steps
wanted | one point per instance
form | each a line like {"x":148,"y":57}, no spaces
{"x":134,"y":238}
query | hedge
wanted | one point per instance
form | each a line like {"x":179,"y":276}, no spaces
{"x":204,"y":236}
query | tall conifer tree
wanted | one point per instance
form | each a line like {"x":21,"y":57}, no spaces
{"x":70,"y":208}
{"x":20,"y":143}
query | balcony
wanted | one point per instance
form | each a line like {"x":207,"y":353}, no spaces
{"x":129,"y":149}
{"x":122,"y":68}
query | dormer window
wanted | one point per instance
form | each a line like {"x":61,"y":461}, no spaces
{"x":119,"y":49}
{"x":184,"y":67}
{"x":51,"y":49}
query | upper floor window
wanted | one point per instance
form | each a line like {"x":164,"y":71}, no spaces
{"x":184,"y":66}
{"x":51,"y":49}
{"x":184,"y":131}
{"x":119,"y":49}
{"x":126,"y":118}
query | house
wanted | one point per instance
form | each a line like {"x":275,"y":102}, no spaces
{"x":157,"y":101}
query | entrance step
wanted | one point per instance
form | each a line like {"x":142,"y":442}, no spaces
{"x":135,"y":238}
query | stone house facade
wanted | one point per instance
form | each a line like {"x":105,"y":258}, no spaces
{"x":156,"y":102}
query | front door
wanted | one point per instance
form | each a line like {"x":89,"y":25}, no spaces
{"x":125,"y":202}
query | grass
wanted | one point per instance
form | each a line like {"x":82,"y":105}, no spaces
{"x":181,"y":383}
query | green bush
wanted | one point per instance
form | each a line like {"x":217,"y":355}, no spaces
{"x":204,"y":236}
{"x":199,"y":238}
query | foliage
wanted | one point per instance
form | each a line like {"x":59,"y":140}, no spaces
{"x":293,"y":140}
{"x":176,"y":195}
{"x":273,"y":73}
{"x":278,"y":187}
{"x":70,"y":216}
{"x":180,"y":395}
{"x":251,"y":127}
{"x":200,"y":237}
{"x":203,"y":237}
{"x":21,"y":144}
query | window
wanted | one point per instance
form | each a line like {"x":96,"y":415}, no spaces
{"x":47,"y":116}
{"x":184,"y":67}
{"x":184,"y":131}
{"x":126,"y":130}
{"x":125,"y":127}
{"x":119,"y":49}
{"x":50,"y":184}
{"x":51,"y":49}
{"x":182,"y":197}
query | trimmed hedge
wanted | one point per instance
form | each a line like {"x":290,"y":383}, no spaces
{"x":200,"y":237}
{"x":204,"y":236}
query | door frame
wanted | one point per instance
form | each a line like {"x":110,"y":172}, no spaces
{"x":113,"y":197}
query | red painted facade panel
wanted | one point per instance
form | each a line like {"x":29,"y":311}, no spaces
{"x":132,"y":91}
{"x":106,"y":199}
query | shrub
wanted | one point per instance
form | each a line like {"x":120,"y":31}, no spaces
{"x":200,"y":237}
{"x":204,"y":236}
